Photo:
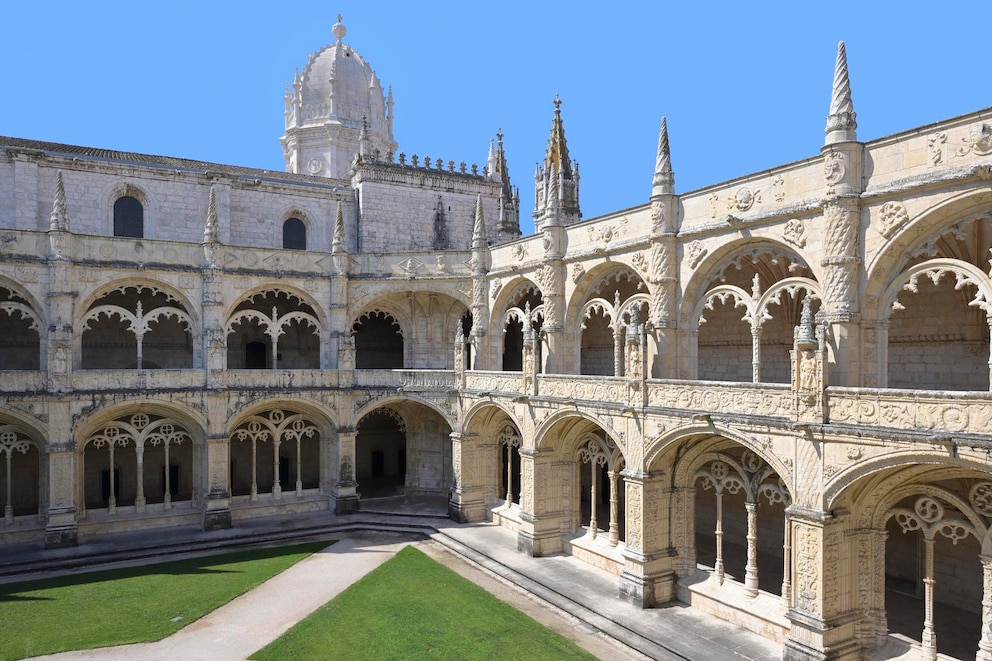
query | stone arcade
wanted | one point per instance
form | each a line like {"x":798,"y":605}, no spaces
{"x":768,"y":398}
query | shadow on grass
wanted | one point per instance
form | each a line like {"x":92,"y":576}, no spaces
{"x":203,"y":566}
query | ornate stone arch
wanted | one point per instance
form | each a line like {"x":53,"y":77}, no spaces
{"x":657,"y":449}
{"x":277,"y":289}
{"x":919,"y":229}
{"x":542,"y":435}
{"x":592,"y":281}
{"x":732,"y":254}
{"x":484,"y":414}
{"x":395,"y":405}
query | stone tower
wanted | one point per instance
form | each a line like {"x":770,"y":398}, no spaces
{"x":556,"y":183}
{"x":326,"y":107}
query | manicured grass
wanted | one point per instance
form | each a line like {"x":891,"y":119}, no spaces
{"x":133,"y":605}
{"x":411,"y":607}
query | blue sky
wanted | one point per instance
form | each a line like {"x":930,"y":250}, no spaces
{"x":745,"y":87}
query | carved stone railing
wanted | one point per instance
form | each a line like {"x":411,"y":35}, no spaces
{"x":407,"y":379}
{"x":766,"y":399}
{"x":23,"y":381}
{"x":915,"y":410}
{"x":587,"y":388}
{"x":507,"y":382}
{"x":138,"y":379}
{"x":280,"y":379}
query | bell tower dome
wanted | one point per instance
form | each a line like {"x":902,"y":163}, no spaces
{"x":327,"y":106}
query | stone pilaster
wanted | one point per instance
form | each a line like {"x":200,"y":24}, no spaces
{"x":345,"y":491}
{"x":822,"y":623}
{"x":648,"y":576}
{"x":216,"y":504}
{"x":540,"y":512}
{"x":61,"y":529}
{"x":467,"y":502}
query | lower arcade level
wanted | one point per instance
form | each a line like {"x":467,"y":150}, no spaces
{"x":835,"y":521}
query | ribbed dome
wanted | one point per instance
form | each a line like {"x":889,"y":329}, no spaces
{"x":325,"y":109}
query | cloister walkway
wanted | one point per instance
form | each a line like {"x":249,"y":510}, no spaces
{"x":560,"y":592}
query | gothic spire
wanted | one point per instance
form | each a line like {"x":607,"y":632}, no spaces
{"x":364,"y":145}
{"x":556,"y":158}
{"x":664,"y":177}
{"x":211,"y":232}
{"x":491,"y":161}
{"x":60,"y":212}
{"x":508,"y":224}
{"x":841,"y":122}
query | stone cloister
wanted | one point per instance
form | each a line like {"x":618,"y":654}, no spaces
{"x":768,"y":399}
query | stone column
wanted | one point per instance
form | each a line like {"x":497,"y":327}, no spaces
{"x":821,"y":626}
{"x":139,"y":499}
{"x":551,"y":278}
{"x":751,"y":568}
{"x":663,"y":274}
{"x":648,"y":576}
{"x":540,"y":505}
{"x":985,"y":644}
{"x":62,"y":489}
{"x":345,"y":492}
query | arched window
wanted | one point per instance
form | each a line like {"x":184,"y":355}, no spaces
{"x":129,"y":217}
{"x":294,"y":234}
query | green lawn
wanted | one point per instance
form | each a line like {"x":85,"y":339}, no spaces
{"x":411,"y":607}
{"x":132,"y":605}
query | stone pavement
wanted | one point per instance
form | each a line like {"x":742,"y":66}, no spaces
{"x":563,"y":584}
{"x":670,"y":632}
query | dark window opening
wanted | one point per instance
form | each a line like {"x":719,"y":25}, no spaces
{"x":294,"y":234}
{"x":129,"y":217}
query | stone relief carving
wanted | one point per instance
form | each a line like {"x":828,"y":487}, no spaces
{"x":978,"y":141}
{"x":519,"y":252}
{"x":834,"y":168}
{"x":577,"y":272}
{"x":778,"y":189}
{"x":807,"y":593}
{"x":639,"y":262}
{"x":695,"y":252}
{"x":935,"y":148}
{"x":795,"y":233}
{"x":497,"y":286}
{"x":892,"y":216}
